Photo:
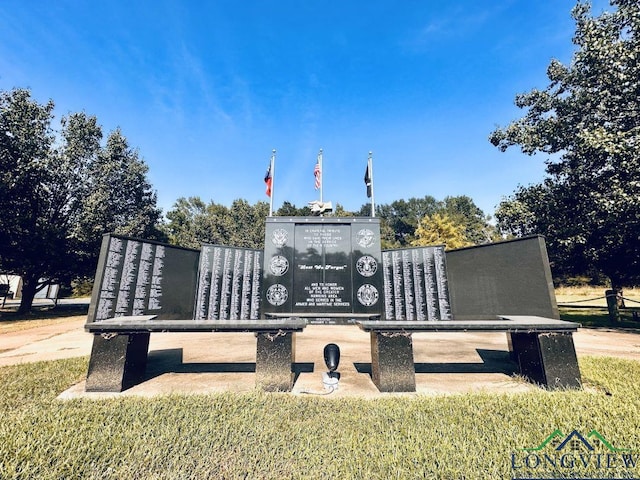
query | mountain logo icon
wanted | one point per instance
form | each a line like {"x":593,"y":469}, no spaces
{"x":575,"y":441}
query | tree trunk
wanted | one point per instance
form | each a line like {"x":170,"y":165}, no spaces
{"x":612,"y":305}
{"x":615,"y":300}
{"x":616,"y":285}
{"x":29,"y":289}
{"x":620,"y":299}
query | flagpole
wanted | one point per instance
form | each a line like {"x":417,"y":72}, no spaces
{"x":321,"y":174}
{"x":370,"y":165}
{"x":273,"y":177}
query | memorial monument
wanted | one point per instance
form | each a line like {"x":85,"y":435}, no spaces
{"x":327,"y":271}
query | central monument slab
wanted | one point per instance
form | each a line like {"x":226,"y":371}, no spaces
{"x":326,"y":269}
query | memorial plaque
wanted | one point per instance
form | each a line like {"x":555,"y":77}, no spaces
{"x":415,"y":284}
{"x":278,"y":267}
{"x":326,"y":269}
{"x":228,"y":284}
{"x":367,"y":274}
{"x":323,"y":268}
{"x":140,"y":277}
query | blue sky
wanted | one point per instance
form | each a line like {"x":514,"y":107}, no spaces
{"x":206,"y":90}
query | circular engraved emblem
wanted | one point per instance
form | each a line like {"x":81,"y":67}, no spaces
{"x":364,"y":237}
{"x":367,"y":295}
{"x":366,"y":265}
{"x":279,"y":265}
{"x":277,"y":294}
{"x":279,"y":237}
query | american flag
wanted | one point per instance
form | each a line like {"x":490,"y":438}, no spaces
{"x":317,"y":172}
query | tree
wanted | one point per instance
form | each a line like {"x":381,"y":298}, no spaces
{"x":26,"y":139}
{"x":534,"y":210}
{"x":400,"y":219}
{"x":464,"y":211}
{"x":191,"y":223}
{"x":440,"y":229}
{"x":181,"y":227}
{"x":339,"y":211}
{"x":116,"y":196}
{"x":289,"y":210}
{"x":588,"y":119}
{"x":51,"y":217}
{"x":248,"y":224}
{"x":403,"y":217}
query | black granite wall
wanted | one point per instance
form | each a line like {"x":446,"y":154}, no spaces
{"x":140,"y":277}
{"x":504,"y":278}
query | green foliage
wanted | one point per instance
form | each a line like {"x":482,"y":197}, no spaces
{"x":403,"y":216}
{"x":248,"y":224}
{"x":289,"y":210}
{"x":401,"y":219}
{"x":339,"y":211}
{"x":477,"y":229}
{"x":181,"y":228}
{"x":191,"y":223}
{"x":81,"y":287}
{"x":588,"y":118}
{"x":119,"y":198}
{"x":284,"y":436}
{"x":440,"y":229}
{"x":60,"y":193}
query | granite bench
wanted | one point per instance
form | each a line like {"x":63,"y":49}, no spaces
{"x":120,"y":348}
{"x":542,"y":347}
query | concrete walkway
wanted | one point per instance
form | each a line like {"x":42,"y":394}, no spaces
{"x":446,"y":363}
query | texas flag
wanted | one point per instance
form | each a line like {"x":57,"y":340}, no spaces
{"x":268,"y":180}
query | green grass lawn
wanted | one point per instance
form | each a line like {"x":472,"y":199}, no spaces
{"x":598,"y":317}
{"x":587,"y":306}
{"x":262,"y":435}
{"x":594,"y":296}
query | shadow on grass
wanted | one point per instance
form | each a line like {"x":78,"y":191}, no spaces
{"x":598,"y":317}
{"x":44,"y":311}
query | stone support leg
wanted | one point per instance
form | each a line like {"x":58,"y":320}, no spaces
{"x":274,"y":358}
{"x":117,"y":362}
{"x":548,"y":359}
{"x":392,"y":367}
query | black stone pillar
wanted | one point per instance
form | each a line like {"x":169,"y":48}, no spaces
{"x":274,"y":358}
{"x":392,"y":367}
{"x":548,"y":359}
{"x":118,"y":361}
